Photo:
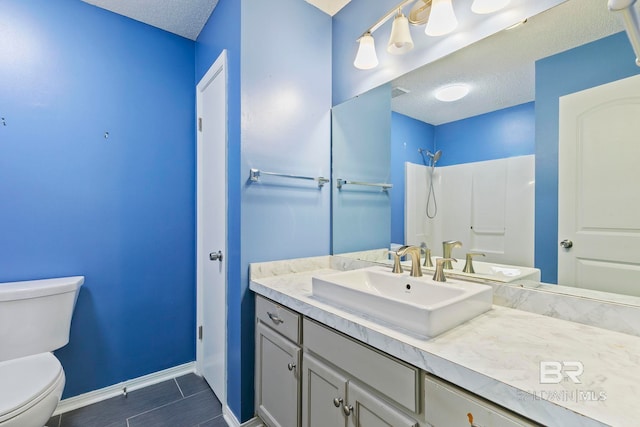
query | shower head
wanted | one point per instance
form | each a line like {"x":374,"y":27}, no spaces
{"x":436,"y":156}
{"x":433,"y":156}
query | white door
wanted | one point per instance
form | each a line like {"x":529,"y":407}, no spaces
{"x":211,"y":264}
{"x":599,"y":201}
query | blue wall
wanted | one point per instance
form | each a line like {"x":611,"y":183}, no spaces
{"x":593,"y":64}
{"x":407,"y":136}
{"x":120,"y":211}
{"x":499,"y":134}
{"x":221,"y":32}
{"x":285,"y":127}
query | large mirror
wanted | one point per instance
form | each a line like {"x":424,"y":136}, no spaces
{"x":485,"y":169}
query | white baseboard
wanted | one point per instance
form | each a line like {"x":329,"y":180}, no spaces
{"x":231,"y":419}
{"x":95,"y":396}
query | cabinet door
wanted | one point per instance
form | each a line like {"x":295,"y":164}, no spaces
{"x":447,"y":405}
{"x":277,"y":378}
{"x":368,"y":410}
{"x":324,"y":392}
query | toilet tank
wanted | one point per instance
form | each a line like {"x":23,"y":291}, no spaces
{"x":35,"y":315}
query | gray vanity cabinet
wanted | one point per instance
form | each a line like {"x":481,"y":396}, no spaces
{"x":330,"y":398}
{"x":324,"y":391}
{"x":278,"y":358}
{"x":346,"y":383}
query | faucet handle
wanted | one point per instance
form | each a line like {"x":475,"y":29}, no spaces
{"x":397,"y":267}
{"x":440,"y":263}
{"x":427,"y":258}
{"x":468,"y":265}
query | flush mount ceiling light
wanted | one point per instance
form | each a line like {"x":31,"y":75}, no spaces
{"x":482,"y":7}
{"x":442,"y":20}
{"x":452,"y":92}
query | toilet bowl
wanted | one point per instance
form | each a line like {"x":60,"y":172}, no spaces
{"x":36,"y":318}
{"x":30,"y":390}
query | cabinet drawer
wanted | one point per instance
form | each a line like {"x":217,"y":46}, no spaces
{"x":279,"y":318}
{"x":391,"y":377}
{"x":447,"y":405}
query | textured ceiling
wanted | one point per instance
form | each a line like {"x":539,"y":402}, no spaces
{"x":185,"y":18}
{"x":501,"y":68}
{"x":182,"y":17}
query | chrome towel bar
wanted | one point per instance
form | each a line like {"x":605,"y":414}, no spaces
{"x":254,"y":176}
{"x":384,"y":186}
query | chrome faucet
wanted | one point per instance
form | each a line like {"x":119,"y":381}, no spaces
{"x":440,"y":263}
{"x":414,"y":252}
{"x":447,"y":247}
{"x":468,"y":265}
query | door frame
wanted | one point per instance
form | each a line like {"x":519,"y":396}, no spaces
{"x":219,"y":67}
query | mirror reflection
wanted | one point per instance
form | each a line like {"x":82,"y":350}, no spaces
{"x":488,"y":170}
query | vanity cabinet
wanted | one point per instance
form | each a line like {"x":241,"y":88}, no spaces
{"x":310,"y":375}
{"x":346,"y":383}
{"x":448,"y":405}
{"x":330,"y":398}
{"x":278,"y":357}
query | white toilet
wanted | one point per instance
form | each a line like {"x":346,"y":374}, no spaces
{"x":35,"y":318}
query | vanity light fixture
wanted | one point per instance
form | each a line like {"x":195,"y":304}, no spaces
{"x":452,"y":92}
{"x":482,"y":7}
{"x":442,"y":19}
{"x":366,"y":57}
{"x":437,"y":14}
{"x":400,"y":41}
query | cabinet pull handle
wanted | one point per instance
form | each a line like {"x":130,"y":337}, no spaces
{"x":337,"y":402}
{"x":347,"y":409}
{"x":291,"y":366}
{"x":274,"y":317}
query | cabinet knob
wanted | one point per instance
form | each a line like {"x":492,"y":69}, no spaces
{"x":291,"y":366}
{"x":347,"y":409}
{"x":337,"y":402}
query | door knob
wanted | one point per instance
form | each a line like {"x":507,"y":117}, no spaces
{"x":215,"y":256}
{"x":566,"y":244}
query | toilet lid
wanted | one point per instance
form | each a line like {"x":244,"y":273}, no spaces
{"x":24,"y":379}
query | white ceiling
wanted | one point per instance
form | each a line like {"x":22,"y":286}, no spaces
{"x":501,"y":68}
{"x":185,"y":18}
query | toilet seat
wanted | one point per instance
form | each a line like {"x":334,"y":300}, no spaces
{"x":26,"y":381}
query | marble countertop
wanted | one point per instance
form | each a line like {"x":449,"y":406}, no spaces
{"x":497,"y":355}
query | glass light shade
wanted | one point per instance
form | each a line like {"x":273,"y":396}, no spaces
{"x":400,"y":41}
{"x":452,"y":92}
{"x":366,"y":57}
{"x":442,"y":20}
{"x":482,"y":7}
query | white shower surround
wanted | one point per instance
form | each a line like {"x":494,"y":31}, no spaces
{"x":488,"y":206}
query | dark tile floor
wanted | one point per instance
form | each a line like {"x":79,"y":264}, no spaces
{"x":185,"y":401}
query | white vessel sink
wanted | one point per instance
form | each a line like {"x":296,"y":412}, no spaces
{"x":416,"y":304}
